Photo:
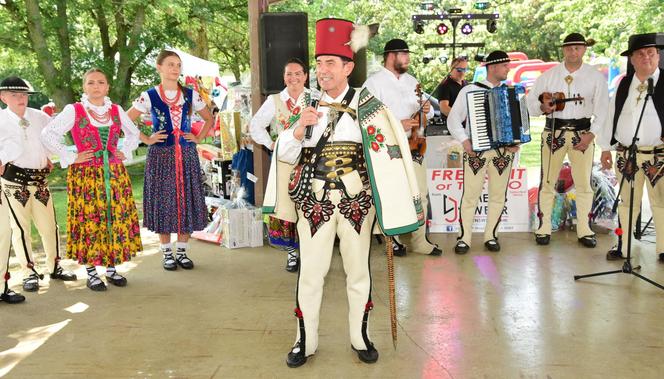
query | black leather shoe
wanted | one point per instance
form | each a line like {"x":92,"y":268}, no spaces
{"x":542,"y":239}
{"x":461,"y":248}
{"x":169,"y":262}
{"x":367,"y":356}
{"x":398,"y":250}
{"x":588,"y":241}
{"x":117,"y":280}
{"x":436,"y":252}
{"x":292,"y":263}
{"x":184,"y":261}
{"x":12,"y":297}
{"x":661,"y":257}
{"x":296,"y":357}
{"x":99,"y":286}
{"x":492,"y":245}
{"x":31,"y":283}
{"x":63,"y":275}
{"x":614,"y":254}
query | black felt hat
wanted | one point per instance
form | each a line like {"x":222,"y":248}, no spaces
{"x":16,"y":84}
{"x":577,"y":39}
{"x":396,"y":45}
{"x":496,"y":57}
{"x":641,"y":41}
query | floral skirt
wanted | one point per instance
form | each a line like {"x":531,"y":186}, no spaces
{"x":94,"y":238}
{"x":282,"y":233}
{"x":161,"y":211}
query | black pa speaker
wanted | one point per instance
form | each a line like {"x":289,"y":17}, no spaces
{"x":659,"y":38}
{"x":282,"y":36}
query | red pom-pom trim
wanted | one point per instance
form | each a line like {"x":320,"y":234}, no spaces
{"x":619,"y":232}
{"x":298,"y":313}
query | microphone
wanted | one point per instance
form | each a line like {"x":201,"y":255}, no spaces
{"x":315,"y":99}
{"x":651,"y":85}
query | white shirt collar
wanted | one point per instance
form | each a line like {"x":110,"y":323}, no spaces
{"x":97,"y":108}
{"x":337,"y":99}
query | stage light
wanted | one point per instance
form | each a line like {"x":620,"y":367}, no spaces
{"x":454,"y":10}
{"x":443,"y":59}
{"x":442,"y":28}
{"x":466,"y":28}
{"x":418,"y":27}
{"x":426,"y":59}
{"x":491,"y":26}
{"x":481,"y":5}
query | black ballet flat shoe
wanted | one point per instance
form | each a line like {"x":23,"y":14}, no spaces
{"x":461,"y":248}
{"x":436,"y":252}
{"x":184,"y":261}
{"x":588,"y":241}
{"x":65,"y":276}
{"x":11,"y":297}
{"x":370,"y":355}
{"x":492,"y":245}
{"x":296,"y":357}
{"x":614,"y":254}
{"x":117,"y":280}
{"x":542,"y":239}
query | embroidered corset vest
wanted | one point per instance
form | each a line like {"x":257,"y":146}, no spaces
{"x":161,"y":117}
{"x":88,"y":137}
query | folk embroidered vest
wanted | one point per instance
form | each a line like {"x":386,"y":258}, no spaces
{"x":161,"y":117}
{"x":87,"y":137}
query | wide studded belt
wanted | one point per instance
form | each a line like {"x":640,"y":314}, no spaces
{"x":25,"y":176}
{"x":336,"y":160}
{"x":571,"y":124}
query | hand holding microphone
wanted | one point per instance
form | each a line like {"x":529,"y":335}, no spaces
{"x":308,"y":118}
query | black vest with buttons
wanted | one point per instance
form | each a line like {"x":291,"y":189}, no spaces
{"x":621,"y":97}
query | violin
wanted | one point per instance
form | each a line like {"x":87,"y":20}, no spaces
{"x":417,"y":141}
{"x":558,"y":100}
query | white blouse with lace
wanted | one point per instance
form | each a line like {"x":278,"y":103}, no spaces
{"x":53,"y":136}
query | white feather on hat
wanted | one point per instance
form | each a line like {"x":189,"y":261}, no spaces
{"x":359,"y":37}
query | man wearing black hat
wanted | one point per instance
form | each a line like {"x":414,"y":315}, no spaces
{"x":396,"y":88}
{"x":644,"y":86}
{"x":25,"y":166}
{"x":569,"y":132}
{"x":497,"y":162}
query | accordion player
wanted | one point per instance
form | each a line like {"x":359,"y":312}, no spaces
{"x":497,"y":117}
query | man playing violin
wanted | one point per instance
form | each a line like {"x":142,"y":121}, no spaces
{"x":397,"y":90}
{"x":573,"y":120}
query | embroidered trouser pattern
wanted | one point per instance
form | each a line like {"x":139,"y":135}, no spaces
{"x":31,"y":204}
{"x":316,"y":255}
{"x":562,"y":144}
{"x":497,"y":163}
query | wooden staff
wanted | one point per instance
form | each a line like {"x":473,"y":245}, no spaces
{"x":390,"y":284}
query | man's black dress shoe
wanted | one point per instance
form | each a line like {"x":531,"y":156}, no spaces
{"x":12,"y":297}
{"x":436,"y":252}
{"x":398,"y":250}
{"x":542,"y":239}
{"x":63,"y":275}
{"x":31,"y":283}
{"x":296,"y":357}
{"x":661,"y":257}
{"x":461,"y":248}
{"x":588,"y":241}
{"x":614,"y":254}
{"x":367,"y":356}
{"x":492,"y":245}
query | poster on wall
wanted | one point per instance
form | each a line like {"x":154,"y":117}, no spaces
{"x":446,"y":188}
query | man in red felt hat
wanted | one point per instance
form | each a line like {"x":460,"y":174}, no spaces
{"x":644,"y":86}
{"x":354,"y":167}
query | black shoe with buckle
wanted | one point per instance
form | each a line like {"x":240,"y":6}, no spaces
{"x":65,"y":276}
{"x":542,"y":239}
{"x":436,"y":252}
{"x":492,"y":245}
{"x":461,"y":248}
{"x":398,"y":250}
{"x":296,"y":357}
{"x":94,"y":283}
{"x":31,"y":283}
{"x":370,"y":355}
{"x":588,"y":241}
{"x":184,"y":261}
{"x":169,"y":262}
{"x":116,"y":280}
{"x":11,"y":297}
{"x":661,"y":257}
{"x":293,"y":262}
{"x":614,"y":254}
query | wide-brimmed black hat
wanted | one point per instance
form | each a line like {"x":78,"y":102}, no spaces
{"x":496,"y":57}
{"x":641,"y":41}
{"x":577,"y":39}
{"x":16,"y":84}
{"x":396,"y":45}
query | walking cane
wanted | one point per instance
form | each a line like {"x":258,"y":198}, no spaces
{"x":390,"y":285}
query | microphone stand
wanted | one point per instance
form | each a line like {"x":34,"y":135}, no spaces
{"x":629,"y":163}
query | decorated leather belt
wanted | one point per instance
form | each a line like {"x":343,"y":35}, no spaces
{"x":25,"y":176}
{"x":336,"y":160}
{"x":574,"y":125}
{"x":647,"y":150}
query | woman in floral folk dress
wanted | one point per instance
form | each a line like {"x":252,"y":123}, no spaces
{"x":102,"y":222}
{"x":173,"y":197}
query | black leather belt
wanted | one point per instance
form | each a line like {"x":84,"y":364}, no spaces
{"x":338,"y":159}
{"x":25,"y":176}
{"x":569,"y":124}
{"x":651,"y":151}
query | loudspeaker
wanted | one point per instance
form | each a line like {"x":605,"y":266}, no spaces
{"x":282,"y":36}
{"x":659,"y":38}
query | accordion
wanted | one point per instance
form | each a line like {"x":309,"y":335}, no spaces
{"x":497,"y":117}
